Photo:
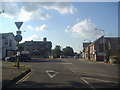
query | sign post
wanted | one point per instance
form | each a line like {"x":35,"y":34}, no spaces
{"x":18,"y":38}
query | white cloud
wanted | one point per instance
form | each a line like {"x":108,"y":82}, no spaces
{"x":66,"y":30}
{"x":33,"y":37}
{"x":42,"y":27}
{"x":68,"y":26}
{"x":10,"y":9}
{"x":30,"y":27}
{"x":85,"y":29}
{"x":30,"y":11}
{"x":61,"y":7}
{"x":39,"y":28}
{"x":26,"y":16}
{"x":22,"y":14}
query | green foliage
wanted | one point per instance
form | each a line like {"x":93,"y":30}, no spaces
{"x":68,"y":51}
{"x":20,"y":47}
{"x":56,"y":52}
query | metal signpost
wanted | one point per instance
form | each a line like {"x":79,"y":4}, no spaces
{"x":18,"y":38}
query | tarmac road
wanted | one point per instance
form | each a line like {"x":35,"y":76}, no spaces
{"x":69,"y":73}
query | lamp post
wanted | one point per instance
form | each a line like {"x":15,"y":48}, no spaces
{"x":103,"y":42}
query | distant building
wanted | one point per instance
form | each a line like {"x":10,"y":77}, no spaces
{"x":84,"y":54}
{"x":7,"y":44}
{"x":38,"y":48}
{"x":102,"y":47}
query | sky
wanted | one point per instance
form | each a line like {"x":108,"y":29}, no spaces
{"x":63,"y":23}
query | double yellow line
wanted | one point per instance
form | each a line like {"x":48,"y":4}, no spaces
{"x":24,"y":78}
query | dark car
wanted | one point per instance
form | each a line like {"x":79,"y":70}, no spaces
{"x":24,"y":57}
{"x":10,"y":58}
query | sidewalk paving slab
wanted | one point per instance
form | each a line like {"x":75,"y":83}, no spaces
{"x":10,"y":72}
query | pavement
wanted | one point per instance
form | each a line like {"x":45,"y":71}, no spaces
{"x":10,"y":72}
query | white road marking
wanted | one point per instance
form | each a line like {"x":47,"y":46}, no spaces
{"x":84,"y":80}
{"x":65,"y":63}
{"x":51,"y":71}
{"x":88,"y":83}
{"x":73,"y":71}
{"x":101,"y":80}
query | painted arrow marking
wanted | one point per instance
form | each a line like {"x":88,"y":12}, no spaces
{"x":51,"y":73}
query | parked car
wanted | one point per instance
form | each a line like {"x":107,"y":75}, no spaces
{"x":10,"y":58}
{"x":24,"y":57}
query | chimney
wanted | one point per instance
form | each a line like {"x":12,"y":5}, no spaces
{"x":45,"y":39}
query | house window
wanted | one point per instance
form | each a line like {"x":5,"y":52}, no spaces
{"x":101,"y":48}
{"x":6,"y":41}
{"x":10,"y":43}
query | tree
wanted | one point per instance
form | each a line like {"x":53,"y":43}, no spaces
{"x":68,"y":51}
{"x":56,"y":52}
{"x":20,"y":47}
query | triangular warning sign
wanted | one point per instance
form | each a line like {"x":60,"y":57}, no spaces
{"x":18,"y":24}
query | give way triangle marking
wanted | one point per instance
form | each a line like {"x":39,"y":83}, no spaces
{"x":51,"y":73}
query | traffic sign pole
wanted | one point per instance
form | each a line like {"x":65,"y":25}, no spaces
{"x":18,"y":38}
{"x":18,"y":59}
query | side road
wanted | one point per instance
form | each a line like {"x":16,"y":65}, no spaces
{"x":11,"y":74}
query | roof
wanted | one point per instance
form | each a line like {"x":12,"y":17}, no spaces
{"x":98,"y":39}
{"x":6,"y":34}
{"x":37,"y":42}
{"x":86,"y":44}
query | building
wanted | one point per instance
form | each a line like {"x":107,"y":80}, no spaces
{"x":103,"y":47}
{"x":84,"y":52}
{"x":7,"y":44}
{"x":38,"y":48}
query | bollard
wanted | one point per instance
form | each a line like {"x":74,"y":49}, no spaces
{"x":18,"y":62}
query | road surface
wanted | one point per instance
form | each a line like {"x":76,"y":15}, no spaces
{"x":69,"y":73}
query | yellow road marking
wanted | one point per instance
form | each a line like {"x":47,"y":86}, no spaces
{"x":24,"y":78}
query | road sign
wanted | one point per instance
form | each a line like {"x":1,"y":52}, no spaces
{"x":18,"y":24}
{"x":18,"y":32}
{"x":18,"y":38}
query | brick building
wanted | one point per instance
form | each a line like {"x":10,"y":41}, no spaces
{"x":102,"y":47}
{"x":85,"y":53}
{"x":38,"y":48}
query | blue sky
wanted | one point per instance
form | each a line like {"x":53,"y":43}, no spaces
{"x":65,"y":24}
